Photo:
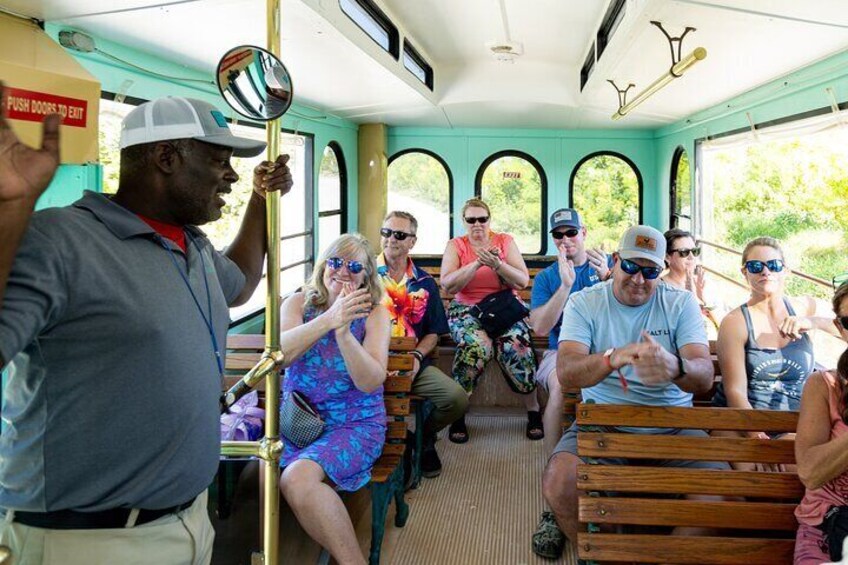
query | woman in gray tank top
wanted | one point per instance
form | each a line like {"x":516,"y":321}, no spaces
{"x":764,"y":350}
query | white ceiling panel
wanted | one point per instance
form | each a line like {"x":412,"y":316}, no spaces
{"x":338,"y":70}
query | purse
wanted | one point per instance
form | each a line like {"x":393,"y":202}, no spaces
{"x":300,"y":423}
{"x":498,"y":311}
{"x":835,"y":527}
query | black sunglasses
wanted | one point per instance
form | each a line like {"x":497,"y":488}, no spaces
{"x":631,"y":268}
{"x":478,"y":219}
{"x":571,"y":232}
{"x":756,"y":267}
{"x":843,"y":320}
{"x":399,"y":235}
{"x":695,"y":251}
{"x":336,"y":263}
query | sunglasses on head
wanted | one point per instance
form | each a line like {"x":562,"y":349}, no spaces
{"x":571,"y":232}
{"x":756,"y":267}
{"x":839,"y":280}
{"x":336,"y":263}
{"x":477,"y":219}
{"x":695,"y":251}
{"x":631,"y":268}
{"x":399,"y":235}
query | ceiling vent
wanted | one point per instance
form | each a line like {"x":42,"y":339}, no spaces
{"x":505,"y":51}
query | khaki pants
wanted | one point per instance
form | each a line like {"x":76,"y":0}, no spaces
{"x":184,"y":538}
{"x":449,"y":399}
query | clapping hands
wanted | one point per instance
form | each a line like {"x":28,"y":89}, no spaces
{"x":489,"y":257}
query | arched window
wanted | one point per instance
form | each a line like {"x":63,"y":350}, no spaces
{"x":680,"y":191}
{"x":420,"y":183}
{"x":513,"y":184}
{"x":606,"y":189}
{"x":332,"y":189}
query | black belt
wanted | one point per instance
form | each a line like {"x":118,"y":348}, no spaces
{"x":103,"y":519}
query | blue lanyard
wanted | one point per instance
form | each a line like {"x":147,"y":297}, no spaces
{"x":206,"y":319}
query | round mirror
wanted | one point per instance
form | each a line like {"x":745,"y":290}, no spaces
{"x":254,"y":83}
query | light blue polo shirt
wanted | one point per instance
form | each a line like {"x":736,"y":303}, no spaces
{"x":595,"y":318}
{"x":112,"y":396}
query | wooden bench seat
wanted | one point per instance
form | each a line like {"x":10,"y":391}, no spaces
{"x":387,"y":481}
{"x":759,"y":530}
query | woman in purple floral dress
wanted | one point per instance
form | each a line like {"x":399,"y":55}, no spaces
{"x":335,"y":336}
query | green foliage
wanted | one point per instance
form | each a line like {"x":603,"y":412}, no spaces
{"x":683,"y":184}
{"x":795,"y":191}
{"x":420,"y":176}
{"x":606,"y":194}
{"x":516,"y":203}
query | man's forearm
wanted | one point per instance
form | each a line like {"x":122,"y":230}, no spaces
{"x":581,"y":371}
{"x":699,"y":375}
{"x":427,"y":344}
{"x":544,"y":317}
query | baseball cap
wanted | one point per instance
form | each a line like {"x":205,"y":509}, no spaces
{"x":643,"y":242}
{"x":176,"y":117}
{"x":565,"y":217}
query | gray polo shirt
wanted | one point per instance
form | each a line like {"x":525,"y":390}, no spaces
{"x":112,"y":396}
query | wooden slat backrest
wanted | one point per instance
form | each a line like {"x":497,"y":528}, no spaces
{"x":637,"y":492}
{"x":693,"y":418}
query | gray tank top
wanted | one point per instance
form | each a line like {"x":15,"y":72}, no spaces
{"x":776,"y":377}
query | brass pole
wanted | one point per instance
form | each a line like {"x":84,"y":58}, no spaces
{"x":270,"y":463}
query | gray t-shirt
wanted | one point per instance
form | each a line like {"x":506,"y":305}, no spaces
{"x":112,"y":395}
{"x":595,"y":318}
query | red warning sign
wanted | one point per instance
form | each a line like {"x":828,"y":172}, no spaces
{"x":32,"y":106}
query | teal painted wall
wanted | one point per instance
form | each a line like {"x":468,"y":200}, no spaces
{"x":69,"y":183}
{"x":121,"y":78}
{"x":557,"y":151}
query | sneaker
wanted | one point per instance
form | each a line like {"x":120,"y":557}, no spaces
{"x":431,"y":465}
{"x":548,"y":541}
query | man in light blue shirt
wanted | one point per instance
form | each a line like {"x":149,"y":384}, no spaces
{"x":630,"y":340}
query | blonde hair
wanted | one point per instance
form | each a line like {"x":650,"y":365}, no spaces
{"x":475,"y":203}
{"x":351,"y":245}
{"x":762,"y":242}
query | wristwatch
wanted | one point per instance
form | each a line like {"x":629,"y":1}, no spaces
{"x":418,"y":355}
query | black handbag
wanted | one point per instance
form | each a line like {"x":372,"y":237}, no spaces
{"x":835,"y":527}
{"x":498,"y":311}
{"x":300,"y":423}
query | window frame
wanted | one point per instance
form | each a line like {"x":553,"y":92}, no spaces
{"x":412,"y":53}
{"x":478,"y":188}
{"x":639,"y":181}
{"x":447,"y":169}
{"x":338,"y":152}
{"x":381,"y":20}
{"x":673,"y":216}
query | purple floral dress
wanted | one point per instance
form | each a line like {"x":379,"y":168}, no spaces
{"x":355,"y":421}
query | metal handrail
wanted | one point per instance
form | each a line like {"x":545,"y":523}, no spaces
{"x":811,"y":278}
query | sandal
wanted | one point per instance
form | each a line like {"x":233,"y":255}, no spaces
{"x":535,"y":430}
{"x":458,"y":433}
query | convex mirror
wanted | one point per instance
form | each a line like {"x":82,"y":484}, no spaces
{"x":254,"y":83}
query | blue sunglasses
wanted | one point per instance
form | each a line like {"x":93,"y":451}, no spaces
{"x":336,"y":263}
{"x":756,"y":267}
{"x":631,"y":268}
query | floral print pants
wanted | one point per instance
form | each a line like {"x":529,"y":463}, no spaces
{"x":474,"y":349}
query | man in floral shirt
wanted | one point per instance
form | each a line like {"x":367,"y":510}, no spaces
{"x":415,"y":306}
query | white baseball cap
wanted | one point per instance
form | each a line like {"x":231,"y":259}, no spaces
{"x":176,"y":117}
{"x":643,"y":242}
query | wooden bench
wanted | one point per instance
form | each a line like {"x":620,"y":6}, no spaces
{"x":759,"y":530}
{"x":387,"y":481}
